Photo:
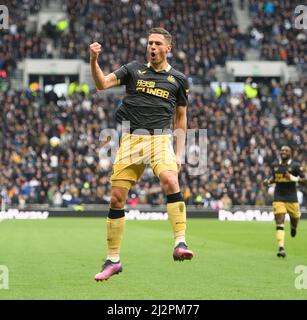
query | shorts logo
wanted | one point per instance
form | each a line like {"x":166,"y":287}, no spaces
{"x":181,"y":207}
{"x":171,"y":79}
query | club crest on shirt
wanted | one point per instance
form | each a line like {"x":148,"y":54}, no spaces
{"x":171,"y":79}
{"x":141,"y":72}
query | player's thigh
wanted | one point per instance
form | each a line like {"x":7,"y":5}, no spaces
{"x":163,"y":157}
{"x":280,"y":210}
{"x":125,"y":172}
{"x":279,"y":207}
{"x":126,"y":175}
{"x":293,"y":208}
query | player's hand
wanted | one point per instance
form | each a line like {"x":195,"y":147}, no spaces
{"x":265,"y":183}
{"x":178,"y":161}
{"x":290,"y":177}
{"x":95,"y":49}
{"x":287,"y":175}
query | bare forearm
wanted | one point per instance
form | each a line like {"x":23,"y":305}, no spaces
{"x":181,"y":130}
{"x":271,"y":180}
{"x":101,"y":81}
{"x":268,"y":181}
{"x":97,"y":74}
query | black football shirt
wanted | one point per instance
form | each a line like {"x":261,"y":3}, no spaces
{"x":285,"y":190}
{"x":151,"y":97}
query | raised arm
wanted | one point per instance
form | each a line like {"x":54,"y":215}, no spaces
{"x":102,"y":82}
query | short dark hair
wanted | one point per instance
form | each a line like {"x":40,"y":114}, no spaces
{"x":162,"y":31}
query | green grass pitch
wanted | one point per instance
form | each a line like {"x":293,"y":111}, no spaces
{"x":58,"y":258}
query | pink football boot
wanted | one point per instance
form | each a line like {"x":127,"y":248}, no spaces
{"x":108,"y":270}
{"x":181,"y":252}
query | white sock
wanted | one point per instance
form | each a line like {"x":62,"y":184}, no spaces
{"x":113,"y":259}
{"x":177,"y":241}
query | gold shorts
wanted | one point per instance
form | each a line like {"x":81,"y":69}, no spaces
{"x":293,"y":208}
{"x":137,"y":151}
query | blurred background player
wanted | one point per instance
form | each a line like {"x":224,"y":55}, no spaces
{"x":285,"y":175}
{"x":153,"y":91}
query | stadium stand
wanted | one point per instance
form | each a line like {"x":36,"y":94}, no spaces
{"x":243,"y":134}
{"x":273,"y":31}
{"x":242,"y":141}
{"x":121,"y":31}
{"x":17,"y":43}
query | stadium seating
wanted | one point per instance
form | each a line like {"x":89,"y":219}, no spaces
{"x":242,"y":142}
{"x":279,"y":39}
{"x":205,"y":33}
{"x":243,"y":134}
{"x":17,"y":43}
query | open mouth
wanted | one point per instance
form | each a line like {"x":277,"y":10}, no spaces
{"x":153,"y":54}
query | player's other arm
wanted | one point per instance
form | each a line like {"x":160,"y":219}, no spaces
{"x":299,"y":176}
{"x":180,"y":126}
{"x":102,"y":82}
{"x":180,"y":119}
{"x":268,"y":181}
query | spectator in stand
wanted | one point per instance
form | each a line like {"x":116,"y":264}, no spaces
{"x":243,"y":139}
{"x":123,"y":29}
{"x":243,"y":134}
{"x":280,"y":39}
{"x":17,"y":43}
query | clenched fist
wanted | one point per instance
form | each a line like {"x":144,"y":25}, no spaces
{"x":95,"y":49}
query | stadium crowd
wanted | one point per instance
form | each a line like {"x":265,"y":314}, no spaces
{"x":243,"y":135}
{"x":121,"y":32}
{"x":17,"y":42}
{"x":120,"y":29}
{"x":243,"y":139}
{"x":276,"y":33}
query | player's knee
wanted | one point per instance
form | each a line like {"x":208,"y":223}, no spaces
{"x":117,"y":201}
{"x":170,"y":183}
{"x":279,"y":219}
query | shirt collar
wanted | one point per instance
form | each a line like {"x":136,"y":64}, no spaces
{"x":167,"y":69}
{"x":288,"y":162}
